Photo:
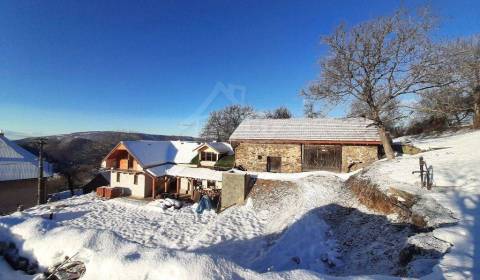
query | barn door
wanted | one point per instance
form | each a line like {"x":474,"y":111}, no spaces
{"x":320,"y":157}
{"x":274,"y":164}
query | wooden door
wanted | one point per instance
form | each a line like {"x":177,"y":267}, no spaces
{"x":274,"y":164}
{"x":321,"y":157}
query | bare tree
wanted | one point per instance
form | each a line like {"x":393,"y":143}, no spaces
{"x":221,"y":124}
{"x":450,"y":103}
{"x":463,"y":67}
{"x":279,"y":113}
{"x":373,"y":64}
{"x":460,"y":99}
{"x":391,"y":113}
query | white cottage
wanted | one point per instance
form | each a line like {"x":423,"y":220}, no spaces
{"x":148,"y":168}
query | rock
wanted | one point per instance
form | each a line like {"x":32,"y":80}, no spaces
{"x":422,"y":246}
{"x":429,"y":213}
{"x":428,"y":242}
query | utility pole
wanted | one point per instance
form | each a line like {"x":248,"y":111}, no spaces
{"x":41,"y":192}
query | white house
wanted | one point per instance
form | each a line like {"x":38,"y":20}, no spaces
{"x":148,"y":168}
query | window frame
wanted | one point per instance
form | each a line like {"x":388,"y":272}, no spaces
{"x":208,"y":156}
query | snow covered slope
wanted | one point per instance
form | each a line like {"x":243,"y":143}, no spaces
{"x":455,"y":158}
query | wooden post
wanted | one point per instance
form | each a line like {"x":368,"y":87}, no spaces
{"x":193,"y":188}
{"x":421,"y":171}
{"x":178,"y":185}
{"x":166,"y":184}
{"x":41,"y":192}
{"x":154,"y":187}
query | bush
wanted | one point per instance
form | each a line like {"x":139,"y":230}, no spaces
{"x":225,"y":162}
{"x":427,"y":126}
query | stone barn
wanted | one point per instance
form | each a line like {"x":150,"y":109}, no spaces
{"x":297,"y":145}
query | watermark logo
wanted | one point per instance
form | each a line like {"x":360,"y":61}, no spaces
{"x":231,"y":93}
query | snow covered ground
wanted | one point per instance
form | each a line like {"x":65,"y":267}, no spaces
{"x":455,"y":158}
{"x":130,"y":239}
{"x":295,"y":230}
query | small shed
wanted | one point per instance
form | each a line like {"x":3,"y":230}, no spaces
{"x":18,"y":176}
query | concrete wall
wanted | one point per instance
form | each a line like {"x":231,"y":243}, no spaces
{"x":12,"y":193}
{"x":356,"y":157}
{"x":234,"y":189}
{"x":142,"y":189}
{"x":253,"y":156}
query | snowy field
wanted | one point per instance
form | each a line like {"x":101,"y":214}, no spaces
{"x":291,"y":232}
{"x":455,"y":158}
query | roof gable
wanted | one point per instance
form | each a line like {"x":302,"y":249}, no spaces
{"x":332,"y":130}
{"x":219,"y":147}
{"x":152,"y":153}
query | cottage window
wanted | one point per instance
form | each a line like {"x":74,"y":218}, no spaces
{"x":118,"y":177}
{"x":208,"y":156}
{"x":135,"y":179}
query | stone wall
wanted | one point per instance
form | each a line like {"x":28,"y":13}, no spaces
{"x":356,"y":157}
{"x":253,"y":156}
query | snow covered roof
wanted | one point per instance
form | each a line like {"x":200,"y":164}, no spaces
{"x":220,"y":147}
{"x":347,"y":129}
{"x":151,"y":153}
{"x":17,"y":163}
{"x":186,"y":171}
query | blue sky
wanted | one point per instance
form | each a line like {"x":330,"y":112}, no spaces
{"x":161,"y":66}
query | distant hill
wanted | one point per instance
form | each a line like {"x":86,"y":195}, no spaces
{"x":79,"y":154}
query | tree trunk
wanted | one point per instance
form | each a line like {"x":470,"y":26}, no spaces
{"x":387,"y":146}
{"x":476,"y":109}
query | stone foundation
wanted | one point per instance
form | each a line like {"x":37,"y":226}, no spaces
{"x":253,"y":156}
{"x":356,"y":157}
